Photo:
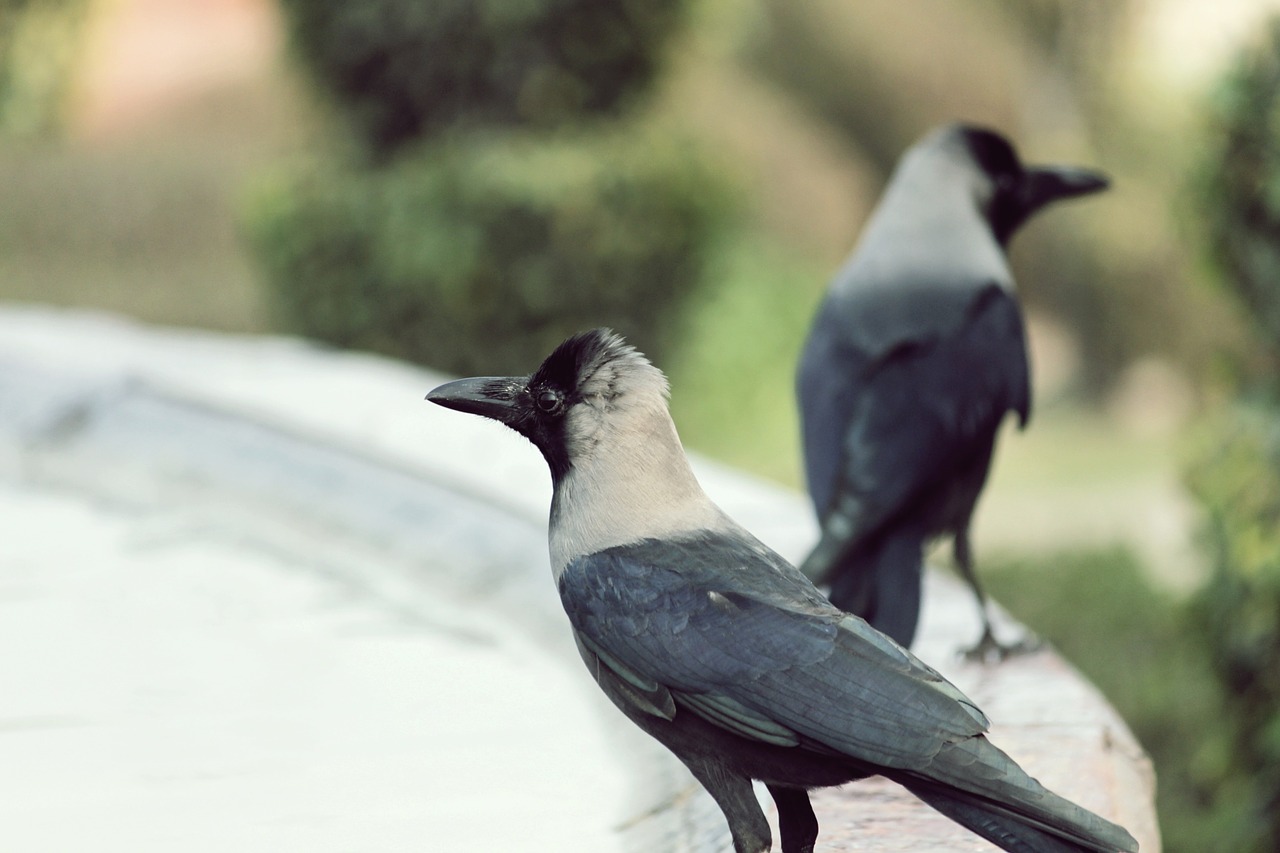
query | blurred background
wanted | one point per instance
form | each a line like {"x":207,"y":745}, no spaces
{"x":462,"y":183}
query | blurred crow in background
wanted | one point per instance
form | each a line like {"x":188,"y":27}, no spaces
{"x":723,"y":651}
{"x":915,"y":355}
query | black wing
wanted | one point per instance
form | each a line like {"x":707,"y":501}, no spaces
{"x":734,"y":633}
{"x":919,"y":415}
{"x":829,"y":380}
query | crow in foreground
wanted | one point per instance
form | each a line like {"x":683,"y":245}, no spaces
{"x":723,"y":651}
{"x":915,"y":356}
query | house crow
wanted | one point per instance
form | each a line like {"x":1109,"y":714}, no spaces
{"x":914,"y":358}
{"x":724,"y":652}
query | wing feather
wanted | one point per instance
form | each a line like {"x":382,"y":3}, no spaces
{"x":918,"y":415}
{"x":738,"y":636}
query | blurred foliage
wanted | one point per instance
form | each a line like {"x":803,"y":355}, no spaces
{"x":850,"y":64}
{"x":1236,"y":479}
{"x":732,"y":372}
{"x":1235,"y":475}
{"x":1239,"y":189}
{"x":39,"y":43}
{"x":502,"y":195}
{"x":405,"y":69}
{"x":481,"y":257}
{"x":1135,"y":642}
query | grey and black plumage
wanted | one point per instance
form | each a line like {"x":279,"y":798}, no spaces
{"x":914,"y":358}
{"x":722,"y":650}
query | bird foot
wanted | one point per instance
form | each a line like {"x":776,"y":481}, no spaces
{"x":990,"y":650}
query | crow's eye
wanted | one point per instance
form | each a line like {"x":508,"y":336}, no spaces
{"x":547,"y":400}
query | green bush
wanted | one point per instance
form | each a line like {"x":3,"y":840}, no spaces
{"x":480,"y":258}
{"x":407,"y":69}
{"x":1236,"y":475}
{"x":1236,"y":479}
{"x":1240,"y":186}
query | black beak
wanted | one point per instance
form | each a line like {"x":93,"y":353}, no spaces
{"x":1044,"y":184}
{"x":488,"y":396}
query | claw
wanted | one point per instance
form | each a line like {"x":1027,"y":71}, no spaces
{"x":990,"y":650}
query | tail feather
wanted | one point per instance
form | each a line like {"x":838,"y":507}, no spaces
{"x":977,"y":785}
{"x":879,"y":583}
{"x":1006,"y":831}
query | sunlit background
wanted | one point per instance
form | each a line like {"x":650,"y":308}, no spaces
{"x":244,"y":165}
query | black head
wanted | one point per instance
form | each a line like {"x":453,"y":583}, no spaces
{"x":1016,"y":191}
{"x":560,"y":405}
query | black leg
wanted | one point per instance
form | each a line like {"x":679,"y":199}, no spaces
{"x":988,"y":647}
{"x":735,"y":797}
{"x":796,"y":822}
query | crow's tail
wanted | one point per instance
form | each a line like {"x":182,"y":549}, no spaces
{"x":879,"y":582}
{"x":1014,"y":811}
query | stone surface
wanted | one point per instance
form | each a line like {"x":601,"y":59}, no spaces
{"x":168,"y":687}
